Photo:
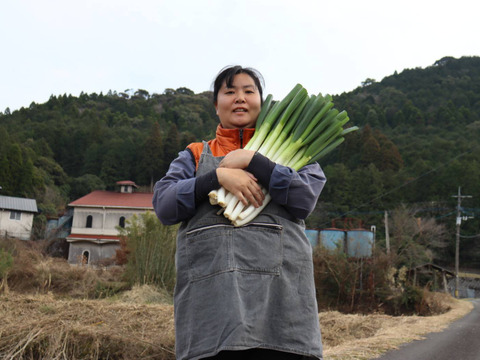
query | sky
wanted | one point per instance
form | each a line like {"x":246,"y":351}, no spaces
{"x":52,"y":47}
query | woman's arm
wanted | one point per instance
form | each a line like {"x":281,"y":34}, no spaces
{"x":174,"y":194}
{"x":298,"y":191}
{"x":178,"y":193}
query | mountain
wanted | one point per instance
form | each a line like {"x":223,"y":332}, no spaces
{"x":416,"y":145}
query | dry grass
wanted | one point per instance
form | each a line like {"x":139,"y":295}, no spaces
{"x":469,"y":275}
{"x":34,"y":272}
{"x":41,"y":326}
{"x":146,"y":294}
{"x":51,"y":310}
{"x":134,"y":326}
{"x":362,"y":337}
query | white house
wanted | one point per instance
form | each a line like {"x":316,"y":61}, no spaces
{"x":16,"y":216}
{"x":94,"y":236}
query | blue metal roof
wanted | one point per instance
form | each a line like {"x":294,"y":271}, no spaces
{"x":18,"y":204}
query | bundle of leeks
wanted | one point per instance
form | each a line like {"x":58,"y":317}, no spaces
{"x":294,"y":132}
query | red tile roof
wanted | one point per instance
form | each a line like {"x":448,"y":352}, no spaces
{"x":126,"y":182}
{"x":100,"y":198}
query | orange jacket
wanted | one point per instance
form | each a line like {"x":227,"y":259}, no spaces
{"x":226,"y":140}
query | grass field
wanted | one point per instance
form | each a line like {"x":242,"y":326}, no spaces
{"x":139,"y":325}
{"x":52,"y":310}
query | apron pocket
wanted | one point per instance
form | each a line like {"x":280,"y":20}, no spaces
{"x":208,"y":249}
{"x":253,"y":248}
{"x":258,"y":248}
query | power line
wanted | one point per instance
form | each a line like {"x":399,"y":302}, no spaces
{"x":422,"y":175}
{"x":353,"y":211}
{"x":459,"y":197}
{"x":469,"y":236}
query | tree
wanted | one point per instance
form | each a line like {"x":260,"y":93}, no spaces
{"x":370,"y":153}
{"x":342,"y":187}
{"x":367,"y":82}
{"x":4,"y":167}
{"x":4,"y":171}
{"x":151,"y":164}
{"x":170,"y":146}
{"x":184,"y":91}
{"x":119,"y":161}
{"x":85,"y":184}
{"x":372,"y":118}
{"x":368,"y":187}
{"x":27,"y":180}
{"x":415,"y":240}
{"x":142,"y":94}
{"x":170,"y":92}
{"x":391,"y":158}
{"x":14,"y":184}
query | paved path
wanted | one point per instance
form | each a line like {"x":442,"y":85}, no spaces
{"x":460,"y":341}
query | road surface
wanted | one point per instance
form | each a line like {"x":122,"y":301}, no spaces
{"x":460,"y":341}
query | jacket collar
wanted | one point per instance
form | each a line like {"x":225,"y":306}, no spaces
{"x":233,"y":139}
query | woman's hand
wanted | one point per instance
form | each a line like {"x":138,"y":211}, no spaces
{"x":242,"y":184}
{"x":237,"y":159}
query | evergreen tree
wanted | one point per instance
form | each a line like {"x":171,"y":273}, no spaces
{"x":15,"y":164}
{"x":151,"y":164}
{"x":171,"y":146}
{"x":391,"y":158}
{"x":370,"y":148}
{"x":4,"y":172}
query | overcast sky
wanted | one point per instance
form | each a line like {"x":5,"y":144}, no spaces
{"x":51,"y":47}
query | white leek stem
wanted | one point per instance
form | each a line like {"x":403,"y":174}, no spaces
{"x":247,"y":211}
{"x":221,"y":196}
{"x":228,"y":198}
{"x":254,"y":213}
{"x":213,"y":197}
{"x":230,"y":207}
{"x":250,"y":208}
{"x":238,"y":209}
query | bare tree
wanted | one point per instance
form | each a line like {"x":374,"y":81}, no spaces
{"x":415,"y":239}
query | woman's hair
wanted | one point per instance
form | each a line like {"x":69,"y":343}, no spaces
{"x":227,"y":75}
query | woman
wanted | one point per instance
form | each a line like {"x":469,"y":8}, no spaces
{"x":241,"y":292}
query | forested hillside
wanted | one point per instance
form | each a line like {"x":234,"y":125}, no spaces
{"x":416,"y":145}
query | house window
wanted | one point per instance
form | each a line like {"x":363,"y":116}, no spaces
{"x":85,"y":257}
{"x":15,"y":215}
{"x":89,"y":221}
{"x":121,"y":222}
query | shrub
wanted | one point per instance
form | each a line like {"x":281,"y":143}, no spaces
{"x":6,"y":263}
{"x":149,"y":250}
{"x":367,"y":285}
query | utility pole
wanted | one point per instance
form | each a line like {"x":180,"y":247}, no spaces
{"x":457,"y":242}
{"x":387,"y":235}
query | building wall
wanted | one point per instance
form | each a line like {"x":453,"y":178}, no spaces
{"x":104,"y":221}
{"x":21,"y":229}
{"x":468,"y":288}
{"x":96,"y":252}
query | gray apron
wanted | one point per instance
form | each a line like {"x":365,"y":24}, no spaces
{"x":244,"y":287}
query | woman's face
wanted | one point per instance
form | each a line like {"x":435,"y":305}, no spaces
{"x":239,"y":106}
